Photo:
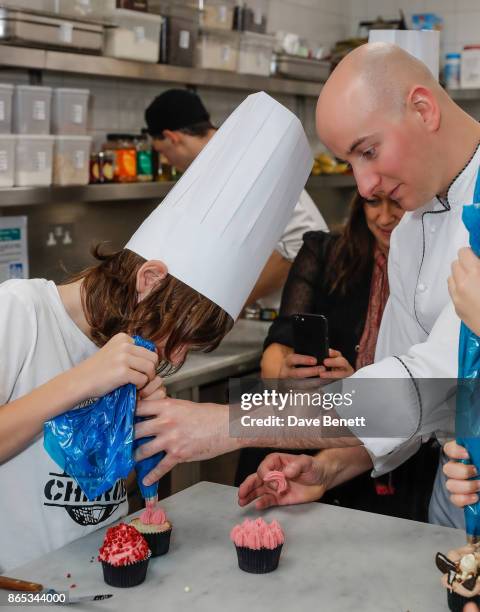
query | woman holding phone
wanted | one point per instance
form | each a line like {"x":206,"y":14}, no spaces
{"x":343,"y":276}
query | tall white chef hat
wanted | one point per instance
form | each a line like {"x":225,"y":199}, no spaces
{"x":422,"y":44}
{"x":217,"y":227}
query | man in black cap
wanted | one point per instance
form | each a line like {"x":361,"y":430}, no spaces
{"x":180,"y":127}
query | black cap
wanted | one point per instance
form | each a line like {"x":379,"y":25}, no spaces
{"x":175,"y":109}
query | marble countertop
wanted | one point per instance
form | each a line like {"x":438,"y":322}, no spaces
{"x":238,"y":353}
{"x":333,"y":560}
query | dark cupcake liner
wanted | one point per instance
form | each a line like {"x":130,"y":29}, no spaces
{"x":259,"y":561}
{"x":158,"y":543}
{"x":124,"y":576}
{"x":456,"y":602}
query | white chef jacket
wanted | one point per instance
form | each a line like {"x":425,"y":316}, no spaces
{"x":419,"y":333}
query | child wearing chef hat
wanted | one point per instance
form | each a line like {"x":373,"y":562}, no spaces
{"x":180,"y":281}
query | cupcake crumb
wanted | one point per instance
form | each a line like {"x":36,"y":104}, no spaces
{"x":69,"y":575}
{"x":73,"y":586}
{"x":187,"y":589}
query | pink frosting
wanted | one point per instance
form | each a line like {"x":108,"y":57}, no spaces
{"x":123,"y":545}
{"x":279,"y":478}
{"x":257,"y":534}
{"x":153,"y":516}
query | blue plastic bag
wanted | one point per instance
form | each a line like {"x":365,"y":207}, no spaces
{"x":467,"y":422}
{"x":94,"y":442}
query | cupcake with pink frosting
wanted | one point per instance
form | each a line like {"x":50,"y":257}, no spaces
{"x":124,"y":555}
{"x":155,"y":528}
{"x":258,"y":545}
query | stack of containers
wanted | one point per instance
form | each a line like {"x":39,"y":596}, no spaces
{"x":34,"y":145}
{"x":7,"y":146}
{"x":71,"y":161}
{"x":246,"y":49}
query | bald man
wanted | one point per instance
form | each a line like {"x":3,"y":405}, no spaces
{"x":383,"y":112}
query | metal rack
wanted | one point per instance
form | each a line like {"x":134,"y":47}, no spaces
{"x":95,"y":65}
{"x":115,"y":192}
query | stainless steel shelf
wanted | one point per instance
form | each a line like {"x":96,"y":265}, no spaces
{"x":94,"y":65}
{"x":30,"y":196}
{"x":114,"y":192}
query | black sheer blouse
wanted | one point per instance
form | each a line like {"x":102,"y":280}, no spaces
{"x":306,"y":291}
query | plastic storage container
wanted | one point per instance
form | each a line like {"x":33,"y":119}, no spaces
{"x":7,"y":160}
{"x":33,"y":160}
{"x":251,"y":16}
{"x":6,"y":93}
{"x":217,"y":14}
{"x":218,"y":49}
{"x":71,"y":160}
{"x":179,"y":35}
{"x":470,"y":67}
{"x":255,"y":55}
{"x":31,"y":109}
{"x":136,"y":37}
{"x":69,"y":111}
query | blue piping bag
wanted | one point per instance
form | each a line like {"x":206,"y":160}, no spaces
{"x":143,"y":467}
{"x":467,"y":422}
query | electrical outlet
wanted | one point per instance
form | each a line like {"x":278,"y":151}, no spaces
{"x":60,"y":234}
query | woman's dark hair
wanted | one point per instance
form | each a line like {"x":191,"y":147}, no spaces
{"x":352,"y":254}
{"x":172,"y":311}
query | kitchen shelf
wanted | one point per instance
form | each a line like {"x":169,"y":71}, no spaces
{"x":114,"y":192}
{"x":30,"y":196}
{"x":97,"y":65}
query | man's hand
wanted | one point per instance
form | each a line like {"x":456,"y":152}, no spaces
{"x":463,"y":491}
{"x":306,"y":479}
{"x":464,"y":288}
{"x":186,"y":431}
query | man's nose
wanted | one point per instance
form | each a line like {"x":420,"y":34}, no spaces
{"x":368,"y":182}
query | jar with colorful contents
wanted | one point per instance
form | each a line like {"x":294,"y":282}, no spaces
{"x":122,"y":146}
{"x":144,"y":158}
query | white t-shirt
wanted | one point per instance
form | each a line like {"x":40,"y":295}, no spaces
{"x":305,"y":218}
{"x":41,"y":508}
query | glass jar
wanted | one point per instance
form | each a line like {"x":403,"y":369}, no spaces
{"x":164,"y":171}
{"x":144,"y":158}
{"x":122,"y":147}
{"x":106,"y":162}
{"x":94,"y":168}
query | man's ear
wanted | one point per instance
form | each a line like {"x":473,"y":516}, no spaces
{"x":423,"y":102}
{"x":172,"y":136}
{"x":149,"y":275}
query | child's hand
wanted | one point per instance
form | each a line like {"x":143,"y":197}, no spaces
{"x":155,"y":390}
{"x":463,"y":491}
{"x":464,"y":287}
{"x":117,"y":363}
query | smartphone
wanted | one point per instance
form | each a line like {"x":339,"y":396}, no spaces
{"x":310,"y":335}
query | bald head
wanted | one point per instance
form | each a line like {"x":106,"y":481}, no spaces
{"x":384,"y":112}
{"x":376,"y":76}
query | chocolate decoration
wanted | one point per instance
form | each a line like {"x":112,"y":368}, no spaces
{"x":444,"y":564}
{"x":470,"y":583}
